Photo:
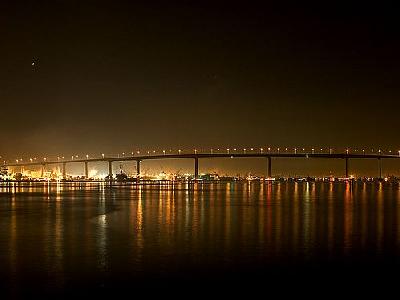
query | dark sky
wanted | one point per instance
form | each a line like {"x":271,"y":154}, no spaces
{"x":114,"y":76}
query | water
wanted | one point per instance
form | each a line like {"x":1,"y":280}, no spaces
{"x":61,"y":238}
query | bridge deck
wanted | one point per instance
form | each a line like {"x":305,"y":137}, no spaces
{"x":211,"y":155}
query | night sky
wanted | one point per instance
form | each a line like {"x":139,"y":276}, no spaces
{"x":92,"y":76}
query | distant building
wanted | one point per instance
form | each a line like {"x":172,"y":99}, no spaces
{"x":3,"y":170}
{"x":209,"y":177}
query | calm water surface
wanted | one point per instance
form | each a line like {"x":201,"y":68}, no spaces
{"x":87,"y":236}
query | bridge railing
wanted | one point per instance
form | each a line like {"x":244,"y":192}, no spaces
{"x":216,"y":150}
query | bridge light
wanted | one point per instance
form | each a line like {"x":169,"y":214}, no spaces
{"x":330,"y":150}
{"x":163,"y":152}
{"x":179,"y":151}
{"x":244,"y":150}
{"x":278,"y":150}
{"x":261,"y":150}
{"x":399,"y":152}
{"x":138,"y":152}
{"x":363,"y":151}
{"x":295,"y":150}
{"x":312,"y":150}
{"x":16,"y":160}
{"x":251,"y":149}
{"x":87,"y":156}
{"x":347,"y":151}
{"x":269,"y":148}
{"x":102,"y":155}
{"x":234,"y":149}
{"x":285,"y":149}
{"x":31,"y":159}
{"x":45,"y":159}
{"x":227,"y":150}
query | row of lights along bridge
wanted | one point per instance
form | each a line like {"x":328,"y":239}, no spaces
{"x":226,"y":150}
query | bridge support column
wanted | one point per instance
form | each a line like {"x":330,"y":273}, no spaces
{"x":110,"y":171}
{"x":64,"y":170}
{"x":269,"y":167}
{"x":138,"y":168}
{"x":347,"y":167}
{"x":86,"y":170}
{"x":43,"y":170}
{"x":196,"y":168}
{"x":380,"y":168}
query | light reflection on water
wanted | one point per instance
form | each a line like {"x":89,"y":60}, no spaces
{"x":63,"y":232}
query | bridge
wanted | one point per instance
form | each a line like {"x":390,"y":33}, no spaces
{"x":196,"y":156}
